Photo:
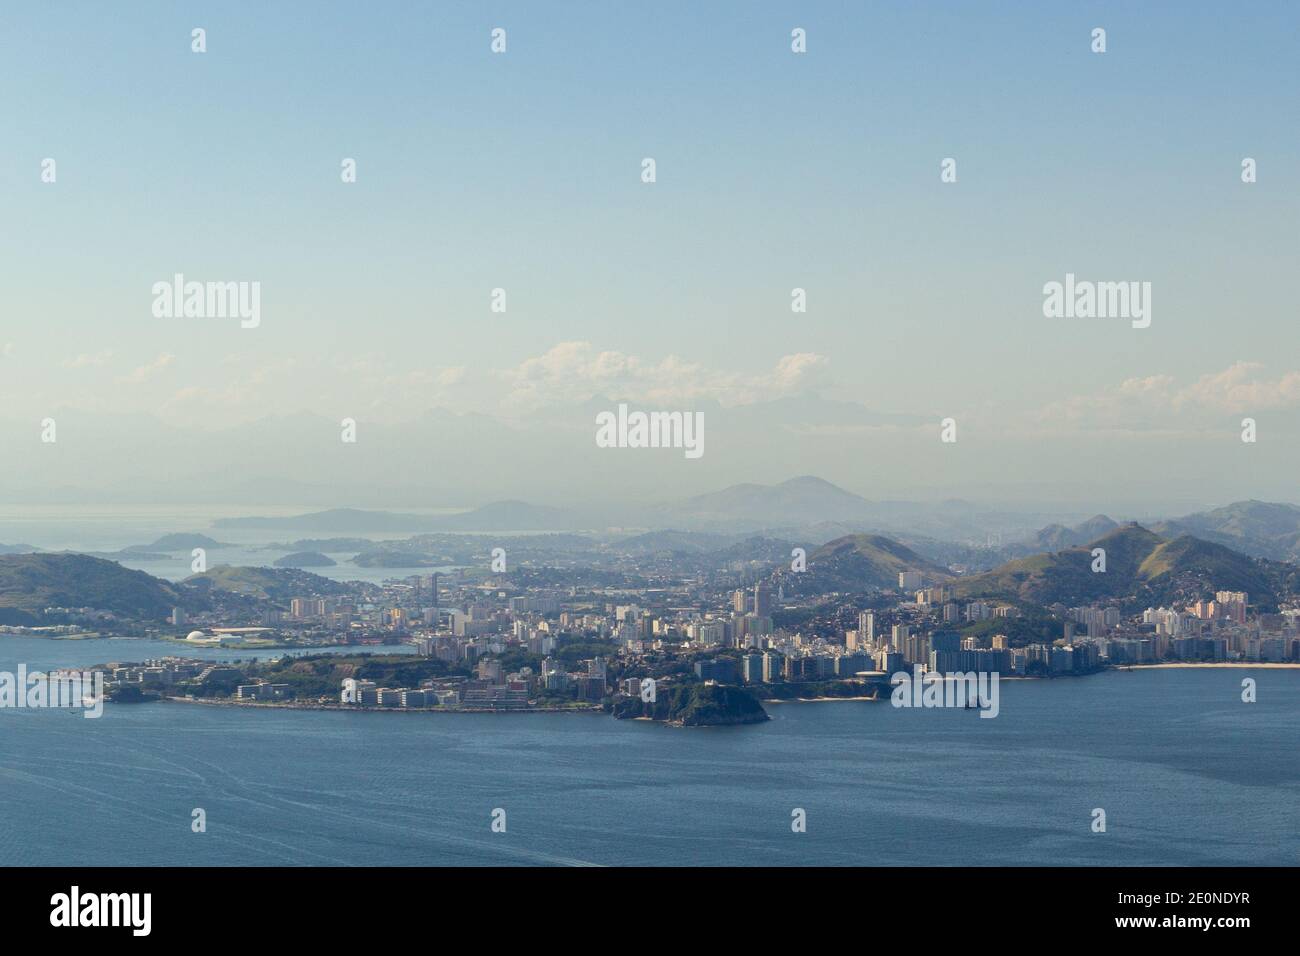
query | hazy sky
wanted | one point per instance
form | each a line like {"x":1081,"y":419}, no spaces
{"x":774,"y":170}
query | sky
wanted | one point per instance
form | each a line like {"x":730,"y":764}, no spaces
{"x":774,"y":170}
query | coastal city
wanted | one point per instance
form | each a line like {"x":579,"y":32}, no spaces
{"x":470,"y":641}
{"x":607,"y":437}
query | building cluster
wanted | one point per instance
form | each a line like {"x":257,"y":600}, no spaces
{"x":156,"y":674}
{"x":491,"y":687}
{"x":507,"y":646}
{"x":924,"y":628}
{"x":1217,"y":630}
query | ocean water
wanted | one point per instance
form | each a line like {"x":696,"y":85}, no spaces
{"x":1186,"y":772}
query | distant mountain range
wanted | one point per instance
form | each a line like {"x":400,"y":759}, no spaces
{"x":807,"y":508}
{"x":1141,"y":567}
{"x":806,"y":511}
{"x":1258,"y":528}
{"x":799,"y":501}
{"x":1057,"y":537}
{"x":498,"y":516}
{"x":812,"y":511}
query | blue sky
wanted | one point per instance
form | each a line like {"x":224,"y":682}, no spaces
{"x":775,"y":170}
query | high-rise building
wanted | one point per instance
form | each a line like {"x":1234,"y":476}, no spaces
{"x":898,"y":637}
{"x":771,"y":666}
{"x":762,"y":600}
{"x":867,"y":627}
{"x":910,"y":580}
{"x":916,"y":649}
{"x":945,"y":641}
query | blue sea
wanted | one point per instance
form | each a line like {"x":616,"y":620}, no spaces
{"x":1186,"y":773}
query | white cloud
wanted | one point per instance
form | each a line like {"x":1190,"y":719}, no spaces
{"x":576,"y":371}
{"x":1241,"y":388}
{"x":800,"y":371}
{"x":87,"y":360}
{"x":144,"y":372}
{"x":1160,"y":402}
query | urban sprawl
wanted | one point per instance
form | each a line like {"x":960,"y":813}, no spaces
{"x":488,"y":646}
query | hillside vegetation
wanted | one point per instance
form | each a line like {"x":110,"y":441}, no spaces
{"x":29,"y":583}
{"x":860,"y":562}
{"x":273,"y":584}
{"x":1141,"y":568}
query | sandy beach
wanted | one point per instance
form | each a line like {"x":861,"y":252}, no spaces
{"x":1282,"y":665}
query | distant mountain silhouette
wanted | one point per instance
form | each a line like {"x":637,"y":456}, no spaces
{"x":18,"y":548}
{"x":1057,"y":537}
{"x":498,"y":516}
{"x":1259,"y":528}
{"x":305,"y":559}
{"x":179,"y":542}
{"x":798,"y":501}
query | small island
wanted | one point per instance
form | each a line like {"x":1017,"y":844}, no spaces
{"x":305,"y":559}
{"x":694,"y":705}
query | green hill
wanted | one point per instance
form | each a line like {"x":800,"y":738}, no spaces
{"x":859,"y":562}
{"x":273,"y":584}
{"x":1189,"y":557}
{"x":30,"y":583}
{"x":1141,"y":568}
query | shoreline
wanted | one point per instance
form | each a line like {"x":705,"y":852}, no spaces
{"x":353,"y":708}
{"x":596,"y":709}
{"x":1277,"y":665}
